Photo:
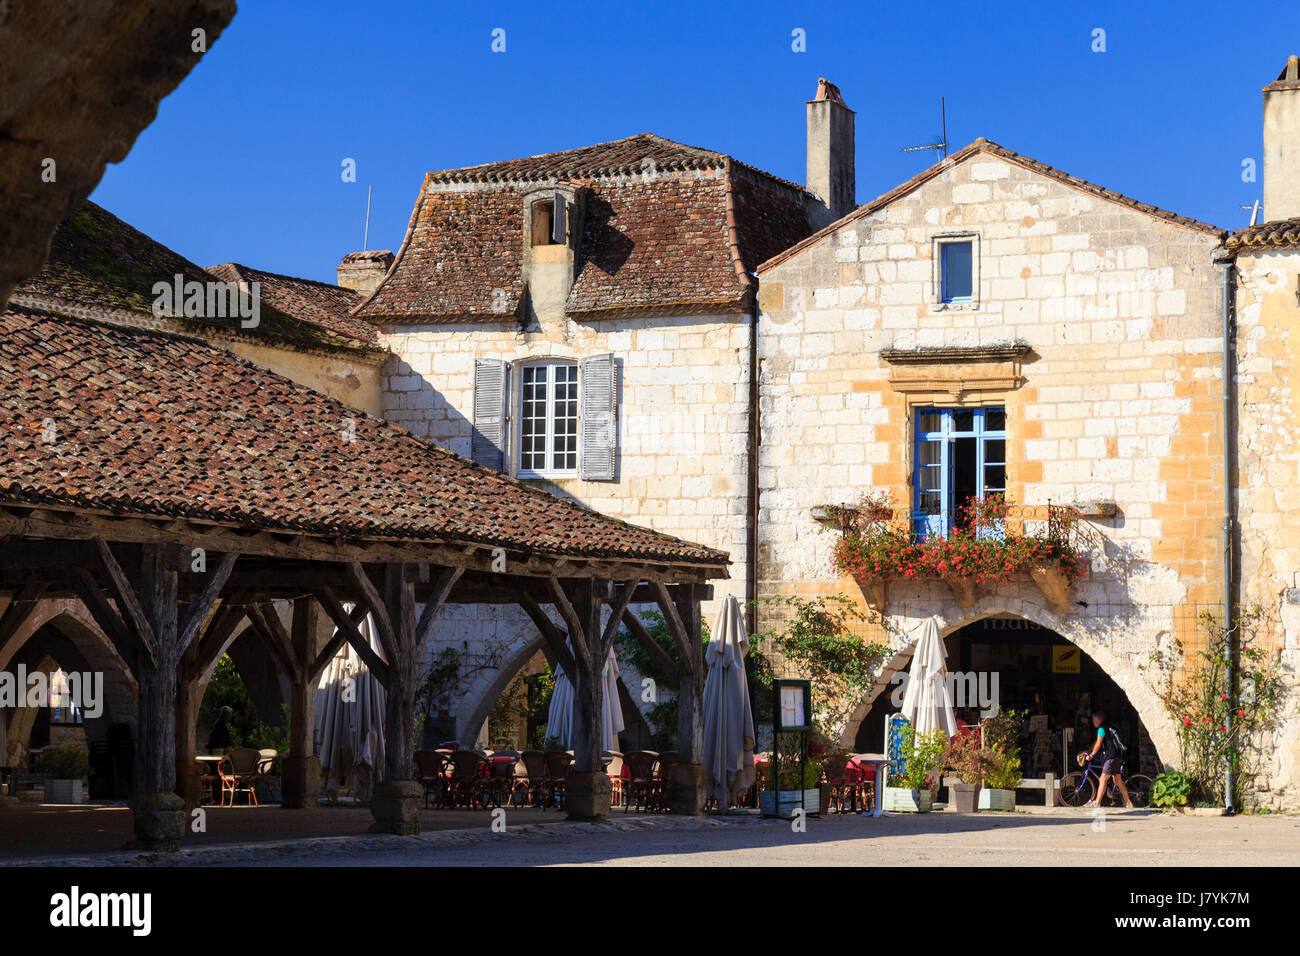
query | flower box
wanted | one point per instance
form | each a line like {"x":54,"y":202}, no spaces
{"x":902,"y":800}
{"x":873,"y":591}
{"x":770,"y":805}
{"x":991,"y":798}
{"x":64,"y":791}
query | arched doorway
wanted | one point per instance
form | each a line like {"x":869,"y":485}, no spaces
{"x":1010,"y":661}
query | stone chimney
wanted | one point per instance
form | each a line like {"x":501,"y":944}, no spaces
{"x":1282,"y":144}
{"x":362,"y":271}
{"x":830,"y":152}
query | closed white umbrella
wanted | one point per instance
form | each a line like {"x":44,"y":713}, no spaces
{"x":350,"y":713}
{"x":926,"y":703}
{"x":559,"y":718}
{"x":728,"y":718}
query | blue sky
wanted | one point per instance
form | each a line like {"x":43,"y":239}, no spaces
{"x":243,"y":162}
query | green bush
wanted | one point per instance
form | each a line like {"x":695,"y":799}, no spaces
{"x":64,"y":762}
{"x":1173,"y":788}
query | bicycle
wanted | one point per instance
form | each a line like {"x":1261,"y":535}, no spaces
{"x":1079,"y":787}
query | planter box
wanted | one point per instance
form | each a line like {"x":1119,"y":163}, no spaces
{"x":991,"y":799}
{"x":964,"y":797}
{"x":64,"y":791}
{"x":770,"y":806}
{"x":907,"y":801}
{"x":873,"y":591}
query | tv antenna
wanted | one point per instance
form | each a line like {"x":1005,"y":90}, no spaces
{"x":365,"y":243}
{"x":942,"y":146}
{"x":1254,"y":212}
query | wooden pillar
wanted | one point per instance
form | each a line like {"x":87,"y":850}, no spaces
{"x":396,"y":802}
{"x":300,"y":771}
{"x":149,"y":618}
{"x":686,"y":784}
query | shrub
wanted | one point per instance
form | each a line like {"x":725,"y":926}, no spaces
{"x":1173,"y":788}
{"x":64,"y":762}
{"x":923,"y":757}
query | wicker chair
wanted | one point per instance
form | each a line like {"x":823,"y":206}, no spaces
{"x":209,"y":782}
{"x":468,"y":783}
{"x":534,"y":777}
{"x":431,"y":773}
{"x":558,"y":765}
{"x":667,"y":760}
{"x":639,"y":789}
{"x":845,"y":785}
{"x":614,"y":770}
{"x":501,"y":781}
{"x":243,"y":763}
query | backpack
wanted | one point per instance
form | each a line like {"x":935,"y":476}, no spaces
{"x":1112,"y":746}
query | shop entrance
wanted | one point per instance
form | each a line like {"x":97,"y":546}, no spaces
{"x":1039,"y":670}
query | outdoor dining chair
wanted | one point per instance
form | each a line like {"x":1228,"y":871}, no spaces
{"x":558,"y":765}
{"x":209,"y":782}
{"x":534,"y":777}
{"x":667,"y":760}
{"x":501,"y":783}
{"x":267,"y":775}
{"x":243,"y":763}
{"x":614,"y":770}
{"x":845,"y":784}
{"x":431,"y":774}
{"x":640,"y":784}
{"x":468,"y":783}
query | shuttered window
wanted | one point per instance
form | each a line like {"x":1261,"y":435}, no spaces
{"x":491,"y":401}
{"x":548,"y":419}
{"x":599,"y":417}
{"x":961,"y":455}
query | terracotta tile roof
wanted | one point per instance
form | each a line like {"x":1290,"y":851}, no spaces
{"x":158,"y":424}
{"x":99,"y":262}
{"x":993,"y":149}
{"x":1281,"y":234}
{"x":667,"y":227}
{"x":319,"y":303}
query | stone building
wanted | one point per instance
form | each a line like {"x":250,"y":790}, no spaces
{"x":583,"y":321}
{"x":997,"y":326}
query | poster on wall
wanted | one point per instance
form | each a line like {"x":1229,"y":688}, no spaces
{"x":1066,"y":659}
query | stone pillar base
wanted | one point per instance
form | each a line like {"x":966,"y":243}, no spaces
{"x":159,"y":822}
{"x":587,"y":796}
{"x":684,"y":790}
{"x":395,"y":806}
{"x":300,"y":782}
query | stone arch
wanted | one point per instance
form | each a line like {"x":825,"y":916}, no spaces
{"x":477,"y":703}
{"x":1088,"y":637}
{"x":64,"y":632}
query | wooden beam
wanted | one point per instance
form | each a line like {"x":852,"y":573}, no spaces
{"x":20,"y":610}
{"x":621,"y":599}
{"x":447,"y":579}
{"x":551,"y":634}
{"x":129,"y":605}
{"x":198,"y":610}
{"x":128,"y":647}
{"x":370,"y":597}
{"x":353,"y":635}
{"x":676,"y":626}
{"x":577,"y":632}
{"x":336,"y":642}
{"x":650,"y":645}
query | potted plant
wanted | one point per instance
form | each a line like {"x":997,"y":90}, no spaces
{"x":65,"y":768}
{"x":1001,"y":778}
{"x":913,"y":791}
{"x":793,"y":788}
{"x":968,"y":760}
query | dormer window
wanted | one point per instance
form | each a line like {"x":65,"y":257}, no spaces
{"x":543,"y":223}
{"x":549,"y":222}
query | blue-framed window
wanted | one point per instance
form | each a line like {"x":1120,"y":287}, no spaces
{"x":957,"y":275}
{"x":961,"y":453}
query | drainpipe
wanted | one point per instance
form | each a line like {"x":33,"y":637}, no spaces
{"x":1227,"y":262}
{"x":751,"y":519}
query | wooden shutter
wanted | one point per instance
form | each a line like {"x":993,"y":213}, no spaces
{"x":491,"y":403}
{"x":598,"y":439}
{"x":560,"y":220}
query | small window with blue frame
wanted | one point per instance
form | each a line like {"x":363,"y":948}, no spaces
{"x":960,"y":457}
{"x":957,"y":271}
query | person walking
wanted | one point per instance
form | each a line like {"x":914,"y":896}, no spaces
{"x":1112,"y":757}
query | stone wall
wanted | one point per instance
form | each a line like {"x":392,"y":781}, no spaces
{"x":1268,"y":462}
{"x":1118,"y":398}
{"x":682,"y":461}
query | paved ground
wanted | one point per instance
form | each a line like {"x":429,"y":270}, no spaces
{"x":1045,"y":838}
